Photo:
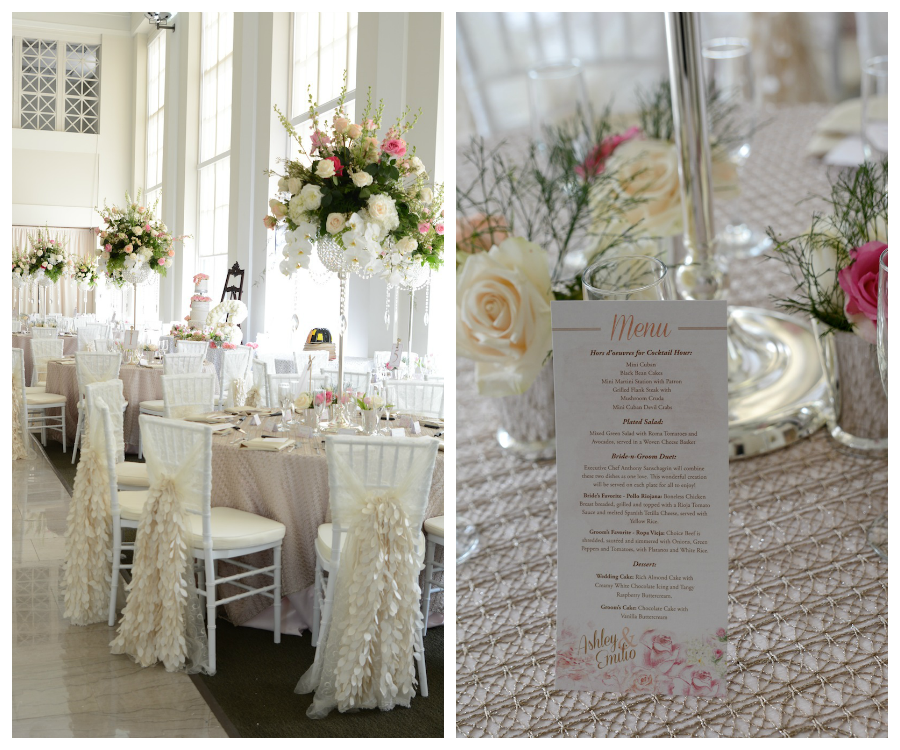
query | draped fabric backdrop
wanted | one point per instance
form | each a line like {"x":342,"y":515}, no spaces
{"x":65,"y":295}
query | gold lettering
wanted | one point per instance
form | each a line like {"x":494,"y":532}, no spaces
{"x":640,"y":330}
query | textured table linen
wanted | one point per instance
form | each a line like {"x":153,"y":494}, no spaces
{"x":807,"y":643}
{"x":291,"y":488}
{"x":138,"y":383}
{"x":23,"y":341}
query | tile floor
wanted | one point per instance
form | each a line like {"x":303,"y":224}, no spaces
{"x":65,"y":682}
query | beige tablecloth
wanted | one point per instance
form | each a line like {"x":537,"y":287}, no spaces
{"x":291,"y":488}
{"x":23,"y":341}
{"x":138,"y":384}
{"x":807,"y":597}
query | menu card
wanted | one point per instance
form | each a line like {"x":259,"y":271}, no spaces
{"x":641,"y":393}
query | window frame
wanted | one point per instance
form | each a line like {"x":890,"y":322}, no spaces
{"x":160,"y":111}
{"x":61,"y":40}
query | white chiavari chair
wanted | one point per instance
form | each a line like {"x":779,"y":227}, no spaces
{"x":191,"y":347}
{"x":44,"y":332}
{"x":296,"y":380}
{"x":434,"y":538}
{"x":173,"y":364}
{"x":42,"y":351}
{"x":189,"y":393}
{"x":421,"y":398}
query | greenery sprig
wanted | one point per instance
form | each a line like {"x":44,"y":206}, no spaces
{"x":858,"y":214}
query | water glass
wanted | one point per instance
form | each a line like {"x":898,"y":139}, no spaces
{"x":630,"y":277}
{"x":285,"y":400}
{"x":320,"y":405}
{"x":556,"y":91}
{"x":882,"y":326}
{"x":731,"y":105}
{"x":875,"y":108}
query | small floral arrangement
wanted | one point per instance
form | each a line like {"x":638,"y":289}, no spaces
{"x":368,"y":403}
{"x":47,"y":256}
{"x":200,"y":277}
{"x":132,"y":236}
{"x":252,"y":345}
{"x":327,"y":395}
{"x":150,"y":348}
{"x":85,"y":272}
{"x":303,"y":401}
{"x":835,"y":264}
{"x":20,"y":263}
{"x":222,"y":321}
{"x":181,"y":331}
{"x":226,"y":345}
{"x":366,"y":194}
{"x":200,"y":298}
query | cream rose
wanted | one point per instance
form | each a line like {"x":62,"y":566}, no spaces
{"x":334,"y":223}
{"x":383,"y":210}
{"x":282,"y":185}
{"x":416,"y":165}
{"x":303,"y":401}
{"x":341,"y":124}
{"x":407,"y":245}
{"x":278,"y":209}
{"x":647,"y":171}
{"x":325,"y":169}
{"x":294,"y":185}
{"x":426,"y":196}
{"x":503,"y":316}
{"x":361,"y":179}
{"x":311,"y":197}
{"x":354,"y":131}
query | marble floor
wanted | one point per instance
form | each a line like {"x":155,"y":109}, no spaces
{"x":65,"y":682}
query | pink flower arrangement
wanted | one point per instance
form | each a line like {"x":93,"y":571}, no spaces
{"x":200,"y":277}
{"x":596,"y":159}
{"x":859,"y":281}
{"x":252,"y":345}
{"x":229,"y":345}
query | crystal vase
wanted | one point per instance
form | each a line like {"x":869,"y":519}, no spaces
{"x":859,"y":421}
{"x":528,"y":420}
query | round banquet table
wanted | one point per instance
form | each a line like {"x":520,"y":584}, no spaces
{"x":807,"y":596}
{"x":291,"y":488}
{"x":138,"y":384}
{"x":23,"y":341}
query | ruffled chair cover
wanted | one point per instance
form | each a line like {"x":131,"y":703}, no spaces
{"x":235,"y":363}
{"x":87,"y":570}
{"x":163,"y":617}
{"x":21,"y":444}
{"x":256,"y":395}
{"x":184,"y":395}
{"x":367,"y":649}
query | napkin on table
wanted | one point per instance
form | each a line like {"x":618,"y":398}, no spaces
{"x":267,"y":444}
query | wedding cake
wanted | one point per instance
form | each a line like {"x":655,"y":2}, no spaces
{"x":199,"y":301}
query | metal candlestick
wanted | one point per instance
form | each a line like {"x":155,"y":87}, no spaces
{"x":777,"y":391}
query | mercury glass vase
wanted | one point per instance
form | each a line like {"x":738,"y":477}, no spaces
{"x":528,"y":420}
{"x":859,"y":419}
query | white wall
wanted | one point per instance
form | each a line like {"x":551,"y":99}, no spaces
{"x":58,"y":178}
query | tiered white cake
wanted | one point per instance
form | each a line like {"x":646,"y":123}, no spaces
{"x":199,"y":302}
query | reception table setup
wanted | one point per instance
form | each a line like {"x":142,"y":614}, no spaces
{"x":799,"y":573}
{"x":237,"y":513}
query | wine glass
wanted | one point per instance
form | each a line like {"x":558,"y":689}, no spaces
{"x":284,"y":399}
{"x":877,"y":534}
{"x":732,"y":112}
{"x":629,"y":277}
{"x":556,"y":91}
{"x":320,"y":404}
{"x":875,"y":108}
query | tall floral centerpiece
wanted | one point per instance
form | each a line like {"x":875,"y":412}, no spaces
{"x":47,"y":262}
{"x":133,"y":244}
{"x":85,"y":274}
{"x":360,"y":200}
{"x":835,"y":270}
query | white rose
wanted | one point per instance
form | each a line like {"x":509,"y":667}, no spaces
{"x":503,"y":316}
{"x":294,"y":185}
{"x":296,"y":209}
{"x":382,"y":209}
{"x":334,"y":223}
{"x":303,"y":401}
{"x":426,"y":196}
{"x":282,"y":185}
{"x":407,"y":245}
{"x":311,"y":197}
{"x":325,"y":169}
{"x":416,"y":165}
{"x":648,"y":172}
{"x":361,"y":179}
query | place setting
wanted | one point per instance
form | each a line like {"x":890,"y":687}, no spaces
{"x":228,"y":458}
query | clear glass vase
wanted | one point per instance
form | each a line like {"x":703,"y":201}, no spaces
{"x":528,"y":421}
{"x":859,"y":420}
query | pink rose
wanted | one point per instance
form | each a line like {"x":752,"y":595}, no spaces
{"x":696,"y":680}
{"x":147,"y":227}
{"x":369,"y":124}
{"x":439,"y":228}
{"x":720,"y":633}
{"x":338,"y":168}
{"x":142,"y":209}
{"x":394,"y":146}
{"x":162,"y":261}
{"x":424,"y":227}
{"x":171,"y":253}
{"x":859,"y":281}
{"x":659,"y":652}
{"x":319,"y":140}
{"x":718,"y":653}
{"x":270,"y":222}
{"x":228,"y":345}
{"x":128,"y":248}
{"x":96,"y":230}
{"x":596,"y":159}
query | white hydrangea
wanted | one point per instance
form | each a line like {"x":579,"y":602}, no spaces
{"x":382,"y":210}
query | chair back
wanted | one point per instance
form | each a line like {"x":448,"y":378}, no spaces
{"x":261,"y":379}
{"x":183,"y":450}
{"x":301,"y":361}
{"x":89,"y":332}
{"x":424,"y":399}
{"x":101,"y":415}
{"x":18,"y":374}
{"x":17,"y":326}
{"x":104,"y":345}
{"x":379,"y":464}
{"x":95,"y":367}
{"x":44,"y":332}
{"x":42,"y":351}
{"x":358,"y":381}
{"x":107,"y":394}
{"x":192,"y":347}
{"x":188,"y":394}
{"x":183,"y":364}
{"x":274,"y":382}
{"x":235,"y":364}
